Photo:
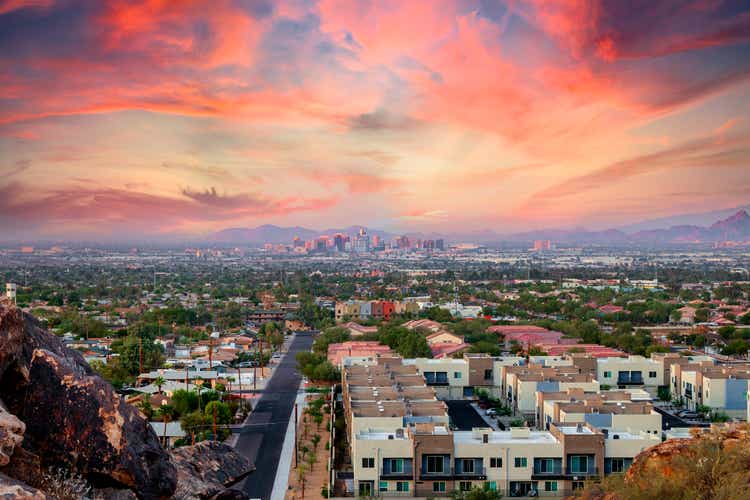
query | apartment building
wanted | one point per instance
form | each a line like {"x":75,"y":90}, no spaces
{"x":430,"y":460}
{"x":722,"y":388}
{"x":550,"y":406}
{"x":519,"y":384}
{"x":373,"y":309}
{"x":631,"y":371}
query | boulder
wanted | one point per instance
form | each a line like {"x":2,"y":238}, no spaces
{"x":72,"y":416}
{"x":11,"y":434}
{"x":13,"y":489}
{"x":205,"y":470}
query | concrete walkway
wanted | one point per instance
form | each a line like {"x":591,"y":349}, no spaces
{"x":281,"y":483}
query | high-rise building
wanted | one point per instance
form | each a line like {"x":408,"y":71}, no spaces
{"x":10,"y":291}
{"x":440,"y":244}
{"x":542,"y":245}
{"x":363,"y":241}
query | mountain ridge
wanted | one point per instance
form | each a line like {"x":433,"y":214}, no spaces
{"x":734,"y":227}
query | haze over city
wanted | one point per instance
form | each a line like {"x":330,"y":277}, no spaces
{"x":171,"y":120}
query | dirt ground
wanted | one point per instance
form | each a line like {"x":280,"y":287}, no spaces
{"x":315,"y":475}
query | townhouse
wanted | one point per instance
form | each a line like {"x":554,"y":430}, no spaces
{"x":373,"y":309}
{"x":430,"y":460}
{"x":721,"y":388}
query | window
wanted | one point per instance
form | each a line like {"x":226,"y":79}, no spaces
{"x":383,"y":485}
{"x":368,"y":463}
{"x":365,"y":488}
{"x":402,"y":486}
{"x":550,"y":486}
{"x":468,"y":466}
{"x":491,"y":485}
{"x":464,"y":486}
{"x":652,"y":374}
{"x":607,"y":374}
{"x":456,"y":374}
{"x":578,"y":485}
{"x":397,"y":465}
{"x":579,"y":463}
{"x":496,"y":462}
{"x":438,"y":486}
{"x":546,"y":465}
{"x":488,"y":374}
{"x":520,"y":462}
{"x":435,"y":463}
{"x":618,"y":465}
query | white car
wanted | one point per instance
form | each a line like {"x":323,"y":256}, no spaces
{"x":491,"y":412}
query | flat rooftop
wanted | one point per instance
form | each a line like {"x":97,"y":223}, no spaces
{"x":503,"y":437}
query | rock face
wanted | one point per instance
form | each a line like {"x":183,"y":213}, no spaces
{"x":206,"y":470}
{"x":72,"y":417}
{"x":11,"y":489}
{"x":11,"y":434}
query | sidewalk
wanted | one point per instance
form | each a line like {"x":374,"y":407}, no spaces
{"x":281,"y":483}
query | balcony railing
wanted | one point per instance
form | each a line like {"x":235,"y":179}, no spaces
{"x":563,"y":472}
{"x":445,"y":473}
{"x":390,"y":493}
{"x":477,"y":474}
{"x":406,"y":473}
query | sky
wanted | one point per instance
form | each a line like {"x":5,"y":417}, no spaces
{"x":174,"y":118}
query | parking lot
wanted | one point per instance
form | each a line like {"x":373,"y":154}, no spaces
{"x":463,"y":416}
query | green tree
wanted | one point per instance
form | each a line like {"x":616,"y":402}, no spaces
{"x":223,"y":412}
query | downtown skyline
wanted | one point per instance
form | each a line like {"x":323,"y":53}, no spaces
{"x":171,"y":119}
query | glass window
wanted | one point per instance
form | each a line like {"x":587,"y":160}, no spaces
{"x":435,"y":463}
{"x":468,"y":465}
{"x":368,"y":463}
{"x":520,"y":462}
{"x":438,"y":486}
{"x":652,"y":374}
{"x":464,"y":486}
{"x":397,"y":465}
{"x":383,"y":485}
{"x":456,"y":374}
{"x":618,"y":465}
{"x":402,"y":486}
{"x":550,"y":486}
{"x":578,"y":485}
{"x":491,"y":485}
{"x":365,"y":488}
{"x":607,"y":374}
{"x":579,"y":463}
{"x":546,"y":465}
{"x":496,"y":462}
{"x":488,"y":374}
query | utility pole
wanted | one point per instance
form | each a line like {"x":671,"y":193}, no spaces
{"x":214,"y":424}
{"x":239,"y":378}
{"x":140,"y":349}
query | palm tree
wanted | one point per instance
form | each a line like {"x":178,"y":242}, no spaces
{"x":166,"y":412}
{"x":198,"y":381}
{"x":230,"y":379}
{"x":159,"y":382}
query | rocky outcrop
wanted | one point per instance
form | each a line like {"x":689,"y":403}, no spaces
{"x":11,"y":434}
{"x":205,"y":470}
{"x":13,"y":489}
{"x":72,"y":417}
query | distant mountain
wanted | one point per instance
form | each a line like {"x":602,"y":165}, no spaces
{"x":691,"y":219}
{"x":735,"y":227}
{"x":262,"y":234}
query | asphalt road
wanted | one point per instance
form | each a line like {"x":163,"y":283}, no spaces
{"x":464,"y":416}
{"x":262,"y":436}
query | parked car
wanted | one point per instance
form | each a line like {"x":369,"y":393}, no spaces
{"x":491,"y":412}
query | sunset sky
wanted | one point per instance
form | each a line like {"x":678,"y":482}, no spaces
{"x":172,"y":117}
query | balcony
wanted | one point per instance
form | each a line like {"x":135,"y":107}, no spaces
{"x":446,"y":473}
{"x":406,"y":473}
{"x":559,"y":472}
{"x":478,"y":474}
